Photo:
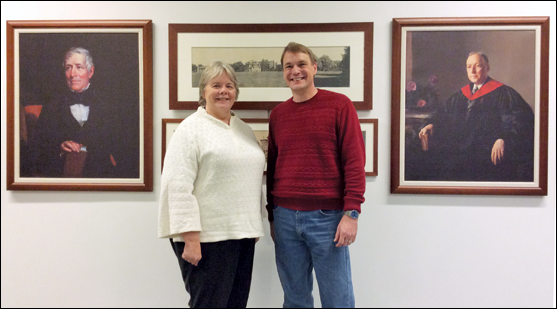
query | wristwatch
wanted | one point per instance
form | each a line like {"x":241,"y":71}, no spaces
{"x":354,"y":214}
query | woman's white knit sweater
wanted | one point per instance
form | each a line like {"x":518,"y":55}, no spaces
{"x":211,"y":180}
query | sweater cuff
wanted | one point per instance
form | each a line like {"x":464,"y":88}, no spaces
{"x":352,"y":205}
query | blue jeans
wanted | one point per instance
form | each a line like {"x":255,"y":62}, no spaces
{"x":304,"y":240}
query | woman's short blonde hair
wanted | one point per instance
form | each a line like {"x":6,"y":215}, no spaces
{"x":215,"y":69}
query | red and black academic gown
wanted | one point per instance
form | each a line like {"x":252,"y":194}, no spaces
{"x":469,"y":124}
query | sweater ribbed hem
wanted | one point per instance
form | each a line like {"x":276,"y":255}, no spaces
{"x":310,"y":205}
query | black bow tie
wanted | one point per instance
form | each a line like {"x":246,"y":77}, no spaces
{"x":84,"y":98}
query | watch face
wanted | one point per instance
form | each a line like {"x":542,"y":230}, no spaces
{"x":354,"y":214}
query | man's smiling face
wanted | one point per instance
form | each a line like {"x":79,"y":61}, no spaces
{"x":298,"y":71}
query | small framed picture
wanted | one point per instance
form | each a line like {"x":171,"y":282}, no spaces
{"x":370,"y":132}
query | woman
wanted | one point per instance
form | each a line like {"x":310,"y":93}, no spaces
{"x":210,"y":204}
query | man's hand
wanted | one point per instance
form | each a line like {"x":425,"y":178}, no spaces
{"x":70,"y":146}
{"x":427,"y":130}
{"x":424,"y":134}
{"x":192,"y":248}
{"x":497,"y":151}
{"x":346,"y":231}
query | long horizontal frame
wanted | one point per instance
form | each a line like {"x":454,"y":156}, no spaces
{"x":169,"y":125}
{"x":143,"y":28}
{"x":398,"y":183}
{"x":183,"y":37}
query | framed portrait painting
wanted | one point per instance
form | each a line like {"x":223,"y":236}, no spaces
{"x":470,"y":105}
{"x":79,"y":96}
{"x":344,"y":54}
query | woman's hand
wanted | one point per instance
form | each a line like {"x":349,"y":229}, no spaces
{"x":192,"y":248}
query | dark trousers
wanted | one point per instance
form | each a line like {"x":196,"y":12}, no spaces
{"x":222,"y":278}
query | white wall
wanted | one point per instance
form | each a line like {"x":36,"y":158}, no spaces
{"x":99,"y":249}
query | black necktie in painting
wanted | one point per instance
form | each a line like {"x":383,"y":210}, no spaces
{"x":85,"y":98}
{"x":471,"y":102}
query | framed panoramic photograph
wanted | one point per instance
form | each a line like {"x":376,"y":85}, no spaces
{"x":80,"y":105}
{"x":344,"y":65}
{"x":260,"y":128}
{"x":470,"y":105}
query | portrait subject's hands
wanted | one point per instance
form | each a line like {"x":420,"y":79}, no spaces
{"x":425,"y":132}
{"x":192,"y":248}
{"x":497,"y":151}
{"x":70,"y":146}
{"x":346,"y":231}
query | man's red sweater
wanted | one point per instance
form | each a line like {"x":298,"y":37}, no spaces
{"x":316,"y":155}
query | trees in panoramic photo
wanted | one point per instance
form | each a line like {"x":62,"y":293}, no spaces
{"x":333,"y":65}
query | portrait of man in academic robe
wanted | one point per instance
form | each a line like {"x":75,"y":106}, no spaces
{"x":470,"y":106}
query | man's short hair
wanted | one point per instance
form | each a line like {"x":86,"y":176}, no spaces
{"x":294,"y":47}
{"x":81,"y":51}
{"x":215,"y":69}
{"x":481,"y":54}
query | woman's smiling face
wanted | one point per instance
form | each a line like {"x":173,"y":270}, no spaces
{"x":219,"y":95}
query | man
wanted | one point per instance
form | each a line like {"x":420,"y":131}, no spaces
{"x":315,"y":183}
{"x":484,"y":132}
{"x":75,"y":136}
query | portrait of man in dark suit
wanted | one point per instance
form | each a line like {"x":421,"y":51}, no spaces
{"x":80,"y":105}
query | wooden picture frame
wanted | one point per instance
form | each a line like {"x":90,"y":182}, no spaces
{"x":121,"y":86}
{"x":255,"y":50}
{"x":370,"y":131}
{"x":429,"y":66}
{"x":169,"y":125}
{"x":260,"y":128}
{"x":258,"y":125}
